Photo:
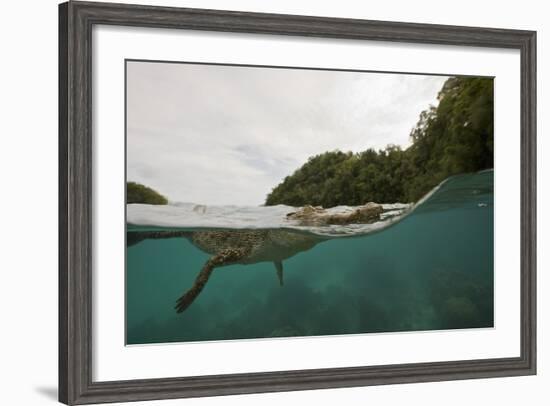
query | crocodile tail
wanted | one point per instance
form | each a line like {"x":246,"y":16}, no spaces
{"x":135,"y":237}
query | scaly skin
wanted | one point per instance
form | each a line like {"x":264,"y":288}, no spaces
{"x":229,"y":247}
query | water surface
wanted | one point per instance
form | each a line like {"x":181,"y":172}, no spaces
{"x":428,"y":267}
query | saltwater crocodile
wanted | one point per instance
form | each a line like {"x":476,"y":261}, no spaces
{"x":228,"y":247}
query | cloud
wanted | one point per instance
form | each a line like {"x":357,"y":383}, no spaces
{"x":227,"y":135}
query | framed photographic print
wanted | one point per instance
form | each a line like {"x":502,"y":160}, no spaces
{"x":258,"y":202}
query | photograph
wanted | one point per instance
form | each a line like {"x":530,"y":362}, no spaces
{"x":268,"y":202}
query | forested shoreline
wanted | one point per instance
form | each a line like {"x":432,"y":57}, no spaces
{"x":454,"y":137}
{"x":138,"y":193}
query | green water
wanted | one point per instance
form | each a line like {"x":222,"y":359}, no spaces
{"x":433,"y":270}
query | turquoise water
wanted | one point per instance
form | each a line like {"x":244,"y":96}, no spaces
{"x":432,"y":270}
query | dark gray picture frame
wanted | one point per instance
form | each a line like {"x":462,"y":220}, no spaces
{"x":76,"y":20}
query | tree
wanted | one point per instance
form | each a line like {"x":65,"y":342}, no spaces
{"x":454,"y":137}
{"x":138,"y":193}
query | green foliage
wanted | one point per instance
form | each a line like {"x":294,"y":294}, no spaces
{"x":138,"y":193}
{"x":454,"y":137}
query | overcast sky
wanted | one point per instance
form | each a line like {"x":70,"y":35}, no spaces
{"x":227,"y":135}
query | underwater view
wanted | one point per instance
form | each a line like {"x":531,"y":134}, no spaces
{"x":270,"y":202}
{"x":429,"y":267}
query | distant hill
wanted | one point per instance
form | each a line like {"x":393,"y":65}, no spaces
{"x":454,"y":137}
{"x":138,"y":193}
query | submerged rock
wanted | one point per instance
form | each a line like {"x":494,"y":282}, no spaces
{"x":316,"y":215}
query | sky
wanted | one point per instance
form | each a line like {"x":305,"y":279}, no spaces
{"x":219,"y":135}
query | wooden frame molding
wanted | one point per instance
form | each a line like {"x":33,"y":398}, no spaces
{"x":76,"y":20}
